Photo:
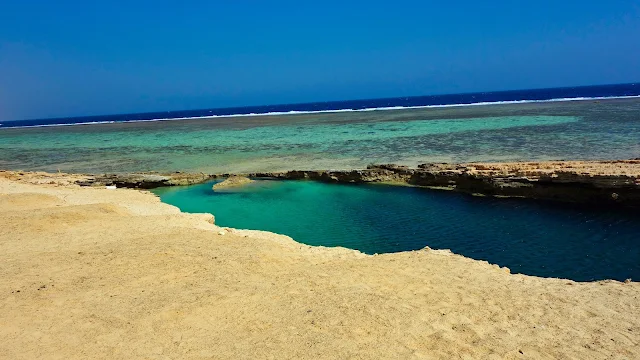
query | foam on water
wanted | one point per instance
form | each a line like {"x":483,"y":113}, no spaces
{"x":529,"y":237}
{"x":9,"y":125}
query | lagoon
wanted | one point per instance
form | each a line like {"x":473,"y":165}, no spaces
{"x":530,"y":237}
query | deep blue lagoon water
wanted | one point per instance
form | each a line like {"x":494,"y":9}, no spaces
{"x":529,"y":237}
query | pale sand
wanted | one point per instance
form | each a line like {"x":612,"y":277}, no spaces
{"x":117,"y":274}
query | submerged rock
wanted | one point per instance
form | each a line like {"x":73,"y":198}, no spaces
{"x":232,"y":181}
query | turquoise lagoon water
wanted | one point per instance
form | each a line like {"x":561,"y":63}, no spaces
{"x":529,"y":237}
{"x":606,"y":129}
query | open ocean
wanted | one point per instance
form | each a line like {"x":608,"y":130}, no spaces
{"x":481,"y":98}
{"x":595,"y":122}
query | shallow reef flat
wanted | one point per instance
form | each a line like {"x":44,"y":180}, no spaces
{"x":114,"y":273}
{"x":572,"y":130}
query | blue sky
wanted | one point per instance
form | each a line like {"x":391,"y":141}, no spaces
{"x":65,"y":58}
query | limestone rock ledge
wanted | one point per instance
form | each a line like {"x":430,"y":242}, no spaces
{"x":601,"y":182}
{"x":144,"y":180}
{"x":614,"y":182}
{"x":232,"y":182}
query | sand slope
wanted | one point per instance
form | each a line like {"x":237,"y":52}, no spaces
{"x":96,"y":273}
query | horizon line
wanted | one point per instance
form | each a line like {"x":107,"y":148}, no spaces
{"x":318,"y":102}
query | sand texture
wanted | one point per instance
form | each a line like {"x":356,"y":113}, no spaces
{"x":94,"y":273}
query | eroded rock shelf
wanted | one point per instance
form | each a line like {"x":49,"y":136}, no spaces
{"x":602,"y":182}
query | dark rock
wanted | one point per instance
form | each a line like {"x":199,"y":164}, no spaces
{"x":144,"y":180}
{"x":487,"y":179}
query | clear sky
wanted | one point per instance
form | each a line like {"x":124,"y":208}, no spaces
{"x":64,"y":58}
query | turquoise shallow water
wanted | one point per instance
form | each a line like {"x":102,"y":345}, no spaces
{"x":577,"y":130}
{"x":529,"y":237}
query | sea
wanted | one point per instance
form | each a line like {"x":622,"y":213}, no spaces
{"x":572,"y":241}
{"x":593,"y":122}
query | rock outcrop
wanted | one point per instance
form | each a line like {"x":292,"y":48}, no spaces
{"x":600,"y":182}
{"x":144,"y":180}
{"x":232,"y":182}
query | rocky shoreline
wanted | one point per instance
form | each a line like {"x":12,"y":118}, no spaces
{"x":610,"y":182}
{"x":599,"y":182}
{"x":116,"y":273}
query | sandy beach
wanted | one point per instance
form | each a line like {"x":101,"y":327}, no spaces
{"x":116,"y":274}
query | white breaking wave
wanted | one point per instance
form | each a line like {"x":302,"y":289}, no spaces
{"x":296,"y":112}
{"x":52,"y":125}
